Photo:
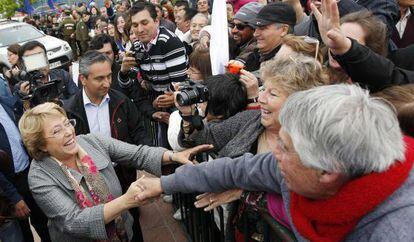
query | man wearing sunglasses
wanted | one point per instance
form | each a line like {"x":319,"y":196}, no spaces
{"x":273,"y":22}
{"x":243,"y":29}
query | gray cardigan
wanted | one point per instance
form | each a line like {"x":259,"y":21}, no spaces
{"x":232,"y":137}
{"x":55,"y":196}
{"x":389,"y":221}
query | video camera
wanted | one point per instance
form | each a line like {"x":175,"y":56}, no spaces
{"x":39,"y":92}
{"x":192,"y":93}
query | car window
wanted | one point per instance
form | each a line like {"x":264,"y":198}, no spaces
{"x":17,"y":34}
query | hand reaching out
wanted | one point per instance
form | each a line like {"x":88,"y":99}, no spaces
{"x":151,"y":188}
{"x":185,"y":156}
{"x":213,"y":200}
{"x":329,"y":27}
{"x":134,"y":189}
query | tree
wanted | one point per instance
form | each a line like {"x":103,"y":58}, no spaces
{"x":9,"y":7}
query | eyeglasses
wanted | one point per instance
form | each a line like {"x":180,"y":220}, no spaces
{"x":59,"y":131}
{"x":239,"y":27}
{"x":282,"y":149}
{"x":314,"y":41}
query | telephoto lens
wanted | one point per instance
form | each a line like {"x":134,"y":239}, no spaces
{"x":192,"y":94}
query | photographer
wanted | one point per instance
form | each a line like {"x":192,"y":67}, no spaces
{"x":66,"y":86}
{"x":161,"y":58}
{"x":221,"y":97}
{"x":103,"y":43}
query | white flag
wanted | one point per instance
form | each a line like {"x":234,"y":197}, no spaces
{"x":219,"y":42}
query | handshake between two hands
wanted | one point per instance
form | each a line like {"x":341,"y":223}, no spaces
{"x":146,"y":189}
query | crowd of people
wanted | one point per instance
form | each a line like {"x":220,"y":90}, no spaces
{"x":312,"y":122}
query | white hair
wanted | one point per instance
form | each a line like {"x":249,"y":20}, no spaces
{"x":340,"y":128}
{"x":200,"y":15}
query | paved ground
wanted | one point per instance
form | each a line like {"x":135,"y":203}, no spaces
{"x":158,"y":225}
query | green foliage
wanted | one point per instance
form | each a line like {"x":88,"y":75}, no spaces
{"x":9,"y":7}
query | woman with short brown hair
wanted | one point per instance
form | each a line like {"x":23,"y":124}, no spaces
{"x":73,"y":180}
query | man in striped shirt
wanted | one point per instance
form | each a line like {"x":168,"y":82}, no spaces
{"x":160,"y":56}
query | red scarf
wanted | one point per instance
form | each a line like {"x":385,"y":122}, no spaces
{"x":332,"y":219}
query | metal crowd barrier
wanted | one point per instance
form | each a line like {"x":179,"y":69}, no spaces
{"x":201,"y":227}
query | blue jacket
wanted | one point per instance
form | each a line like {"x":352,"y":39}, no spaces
{"x":14,"y":108}
{"x":389,"y":221}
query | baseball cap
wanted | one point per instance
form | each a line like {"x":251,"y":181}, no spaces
{"x":248,"y":13}
{"x":278,"y":12}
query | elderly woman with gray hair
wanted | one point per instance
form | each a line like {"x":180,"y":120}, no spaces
{"x":342,"y":167}
{"x":74,"y":182}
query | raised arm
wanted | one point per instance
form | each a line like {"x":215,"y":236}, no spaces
{"x":361,"y":64}
{"x":66,"y":214}
{"x":253,"y":173}
{"x":371,"y":70}
{"x":141,"y":157}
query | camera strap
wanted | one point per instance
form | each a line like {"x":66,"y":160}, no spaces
{"x":196,"y":120}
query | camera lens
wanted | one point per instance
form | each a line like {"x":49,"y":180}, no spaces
{"x":182,"y":98}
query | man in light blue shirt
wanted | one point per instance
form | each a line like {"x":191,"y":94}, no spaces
{"x":20,"y":157}
{"x":97,"y":114}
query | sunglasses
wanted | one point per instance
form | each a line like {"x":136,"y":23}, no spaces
{"x":238,"y":26}
{"x":314,"y":41}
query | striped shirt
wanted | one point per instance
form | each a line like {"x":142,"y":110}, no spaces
{"x":165,"y":62}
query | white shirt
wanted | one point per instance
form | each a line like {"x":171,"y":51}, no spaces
{"x":402,"y":24}
{"x":97,"y":115}
{"x":186,"y":37}
{"x":153,"y":41}
{"x":179,"y":33}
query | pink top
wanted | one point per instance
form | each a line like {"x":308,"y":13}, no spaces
{"x":237,"y":4}
{"x":277,"y":209}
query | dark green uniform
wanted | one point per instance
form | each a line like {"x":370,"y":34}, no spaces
{"x":82,"y":36}
{"x":67,"y":28}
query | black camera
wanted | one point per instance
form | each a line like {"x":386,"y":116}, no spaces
{"x":39,"y":92}
{"x":138,"y":51}
{"x":48,"y":92}
{"x":192,"y":93}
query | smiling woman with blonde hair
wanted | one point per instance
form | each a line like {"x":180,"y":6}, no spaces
{"x":73,"y":180}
